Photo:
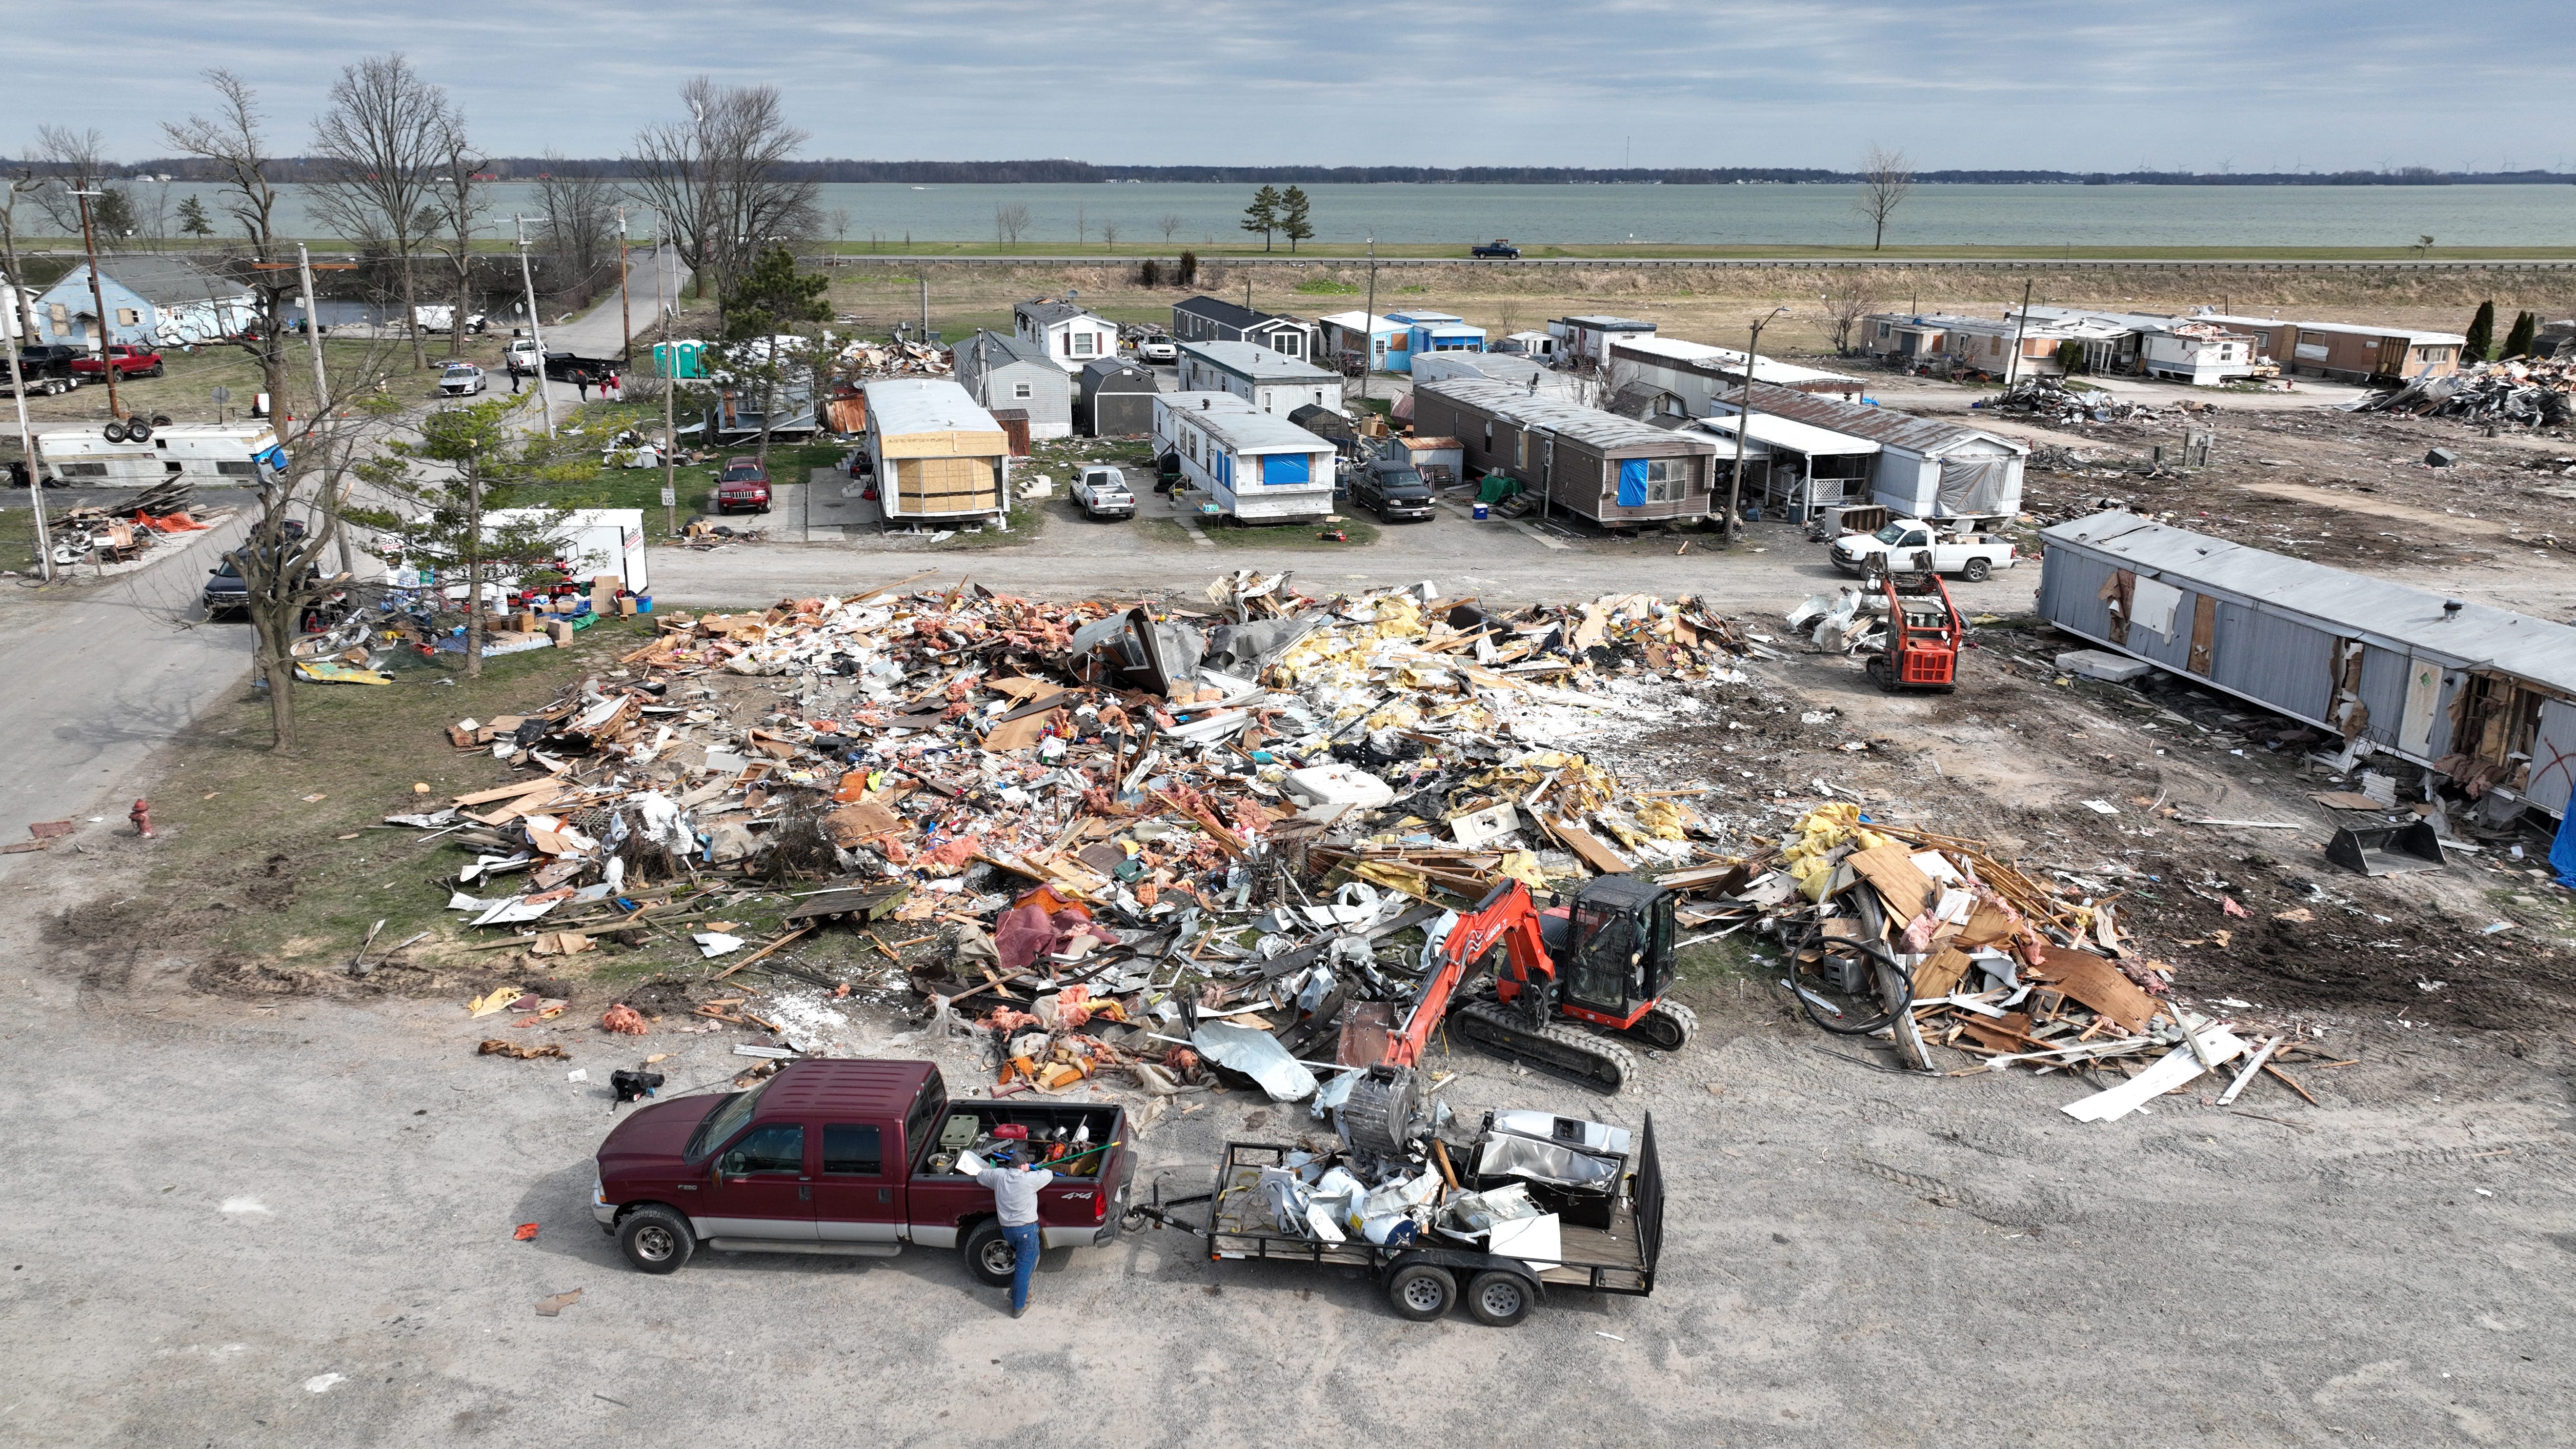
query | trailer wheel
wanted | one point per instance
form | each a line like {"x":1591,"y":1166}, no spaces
{"x":1498,"y":1299}
{"x":1421,"y":1291}
{"x":137,"y":430}
{"x":113,"y":432}
{"x":989,"y":1255}
{"x":160,"y":420}
{"x":1976,"y":571}
{"x":656,"y":1239}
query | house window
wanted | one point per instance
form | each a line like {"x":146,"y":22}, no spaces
{"x":1667,"y":479}
{"x":127,"y":317}
{"x":62,"y":317}
{"x":1399,"y":342}
{"x":1084,"y":343}
{"x":1883,"y":329}
{"x":1020,"y":390}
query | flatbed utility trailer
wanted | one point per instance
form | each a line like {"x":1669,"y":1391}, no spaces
{"x":1423,"y":1279}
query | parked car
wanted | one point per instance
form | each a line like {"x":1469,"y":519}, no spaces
{"x":1498,"y":247}
{"x":521,"y":356}
{"x":226,"y":592}
{"x":128,"y":360}
{"x":744,"y":487}
{"x":460,"y":379}
{"x":1392,"y":491}
{"x":1102,"y":492}
{"x":852,"y":1158}
{"x":1158,"y":349}
{"x":47,"y":368}
{"x":1909,"y":545}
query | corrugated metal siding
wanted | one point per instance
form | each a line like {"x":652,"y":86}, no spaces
{"x":2553,"y":758}
{"x":2383,"y":692}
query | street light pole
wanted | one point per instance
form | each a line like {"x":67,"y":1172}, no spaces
{"x":1368,"y":326}
{"x":27,"y":442}
{"x":98,"y":299}
{"x":626,"y":314}
{"x":1744,"y":429}
{"x":536,"y":328}
{"x":670,"y":370}
{"x":322,"y":411}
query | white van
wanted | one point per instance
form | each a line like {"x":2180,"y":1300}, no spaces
{"x":214,"y":455}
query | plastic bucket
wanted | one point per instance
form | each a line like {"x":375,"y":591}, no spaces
{"x":643,"y":603}
{"x":1482,"y":513}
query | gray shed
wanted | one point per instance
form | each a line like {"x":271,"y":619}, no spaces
{"x":2484,"y":696}
{"x":1117,"y":399}
{"x":1002,"y":371}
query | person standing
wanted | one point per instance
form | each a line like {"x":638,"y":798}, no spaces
{"x":1015,"y":1187}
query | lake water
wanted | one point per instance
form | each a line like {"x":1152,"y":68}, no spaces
{"x":2075,"y":216}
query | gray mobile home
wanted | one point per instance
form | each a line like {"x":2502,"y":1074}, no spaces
{"x":1615,"y":471}
{"x":1002,"y":371}
{"x":2481,"y":695}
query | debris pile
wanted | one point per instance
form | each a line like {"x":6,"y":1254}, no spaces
{"x":2523,"y":392}
{"x":2050,"y":400}
{"x":120,"y":532}
{"x":1148,"y":840}
{"x":864,"y":359}
{"x":1927,"y":940}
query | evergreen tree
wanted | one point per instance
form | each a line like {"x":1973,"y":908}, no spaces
{"x":769,"y":297}
{"x":192,"y":218}
{"x":1263,"y":214}
{"x":2481,"y":342}
{"x":1293,"y":209}
{"x":1189,"y":269}
{"x":2526,"y":327}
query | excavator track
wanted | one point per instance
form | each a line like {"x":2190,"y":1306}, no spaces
{"x":1560,"y":1051}
{"x":1667,"y":1026}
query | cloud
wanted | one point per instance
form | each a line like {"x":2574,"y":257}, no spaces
{"x":1982,"y":83}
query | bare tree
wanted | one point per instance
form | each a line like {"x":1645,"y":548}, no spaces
{"x":1170,"y":222}
{"x":460,"y":196}
{"x":1081,"y":224}
{"x":1885,"y":182}
{"x":22,"y":297}
{"x":1009,"y":221}
{"x":1844,"y":308}
{"x":581,"y":220}
{"x":840,"y":220}
{"x":233,"y":144}
{"x":380,"y":145}
{"x":78,"y":160}
{"x":721,"y":178}
{"x":1109,"y":233}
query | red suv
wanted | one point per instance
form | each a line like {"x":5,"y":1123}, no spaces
{"x":743,"y":488}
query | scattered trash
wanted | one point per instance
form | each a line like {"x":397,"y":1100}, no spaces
{"x":521,"y":1053}
{"x":551,"y":1307}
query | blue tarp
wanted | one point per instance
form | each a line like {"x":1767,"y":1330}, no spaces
{"x":2562,"y":850}
{"x":1632,"y":482}
{"x":1277,"y":468}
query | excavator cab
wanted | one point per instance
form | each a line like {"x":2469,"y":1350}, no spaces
{"x":1613,"y":951}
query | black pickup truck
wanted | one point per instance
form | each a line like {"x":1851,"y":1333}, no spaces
{"x":568,"y":367}
{"x":47,"y":367}
{"x":1499,"y":250}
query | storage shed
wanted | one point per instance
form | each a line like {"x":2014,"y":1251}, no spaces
{"x":938,"y":457}
{"x":1924,"y":468}
{"x":1117,"y":399}
{"x":1615,"y":471}
{"x":2481,"y":695}
{"x":1001,"y":371}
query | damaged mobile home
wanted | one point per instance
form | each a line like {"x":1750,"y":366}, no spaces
{"x":1924,"y":468}
{"x":2483,"y":696}
{"x":1615,"y":471}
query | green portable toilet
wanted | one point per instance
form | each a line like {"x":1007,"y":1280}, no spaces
{"x":684,"y":358}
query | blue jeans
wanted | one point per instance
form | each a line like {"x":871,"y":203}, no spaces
{"x":1024,"y":1250}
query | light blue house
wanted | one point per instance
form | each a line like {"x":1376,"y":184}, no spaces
{"x":1431,"y":332}
{"x":152,"y":301}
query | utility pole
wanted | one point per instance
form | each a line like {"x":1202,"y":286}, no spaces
{"x":1368,"y":325}
{"x":1744,"y":429}
{"x":2021,"y":324}
{"x":925,"y":309}
{"x":536,"y":328}
{"x":27,"y":443}
{"x":670,"y":370}
{"x":626,"y":314}
{"x":322,"y":407}
{"x":98,"y":299}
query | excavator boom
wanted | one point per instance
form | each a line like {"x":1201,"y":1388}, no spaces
{"x":1506,"y":916}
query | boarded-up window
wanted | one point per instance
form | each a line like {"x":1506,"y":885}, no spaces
{"x":943,"y":485}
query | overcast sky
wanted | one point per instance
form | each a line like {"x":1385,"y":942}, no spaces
{"x":2104,"y":84}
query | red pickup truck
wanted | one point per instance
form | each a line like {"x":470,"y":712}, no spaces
{"x":128,"y":360}
{"x":851,"y":1158}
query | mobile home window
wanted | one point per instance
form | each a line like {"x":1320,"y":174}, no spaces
{"x":1020,"y":390}
{"x":127,"y":317}
{"x":1084,"y":344}
{"x":1667,"y":479}
{"x":1883,"y":329}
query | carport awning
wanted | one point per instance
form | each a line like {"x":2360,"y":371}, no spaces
{"x":1794,"y":437}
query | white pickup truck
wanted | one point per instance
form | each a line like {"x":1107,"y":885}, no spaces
{"x":1910,"y":545}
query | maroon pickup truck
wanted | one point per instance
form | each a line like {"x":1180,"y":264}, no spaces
{"x":129,"y":361}
{"x":851,"y":1158}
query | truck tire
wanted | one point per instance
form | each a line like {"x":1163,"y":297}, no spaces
{"x":1976,"y":571}
{"x":988,"y":1254}
{"x":1498,"y":1299}
{"x":160,"y":420}
{"x":113,"y":432}
{"x":137,"y":431}
{"x":1421,"y":1291}
{"x":656,"y":1239}
{"x":158,"y":369}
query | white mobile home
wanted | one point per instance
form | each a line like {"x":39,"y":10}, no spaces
{"x":1272,"y":382}
{"x":211,"y":455}
{"x":1251,"y":465}
{"x":1072,"y":337}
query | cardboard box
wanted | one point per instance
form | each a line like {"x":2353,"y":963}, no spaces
{"x":523,"y":623}
{"x":559,"y":631}
{"x":626,"y":607}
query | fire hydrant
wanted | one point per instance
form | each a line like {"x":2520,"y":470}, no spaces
{"x":141,"y":815}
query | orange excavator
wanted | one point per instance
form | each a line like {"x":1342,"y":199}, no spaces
{"x":1569,"y":985}
{"x":1925,"y":633}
